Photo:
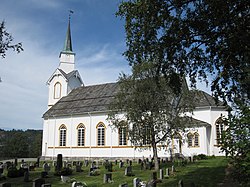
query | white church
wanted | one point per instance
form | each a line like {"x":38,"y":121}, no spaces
{"x":76,"y":126}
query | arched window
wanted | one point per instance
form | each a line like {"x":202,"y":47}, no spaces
{"x":100,"y":134}
{"x":190,"y":139}
{"x":122,"y":132}
{"x":219,"y":130}
{"x":196,"y":139}
{"x":62,"y":134}
{"x":146,"y":134}
{"x":57,"y":90}
{"x":81,"y":135}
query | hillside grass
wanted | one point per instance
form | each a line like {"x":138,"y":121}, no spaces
{"x":205,"y":173}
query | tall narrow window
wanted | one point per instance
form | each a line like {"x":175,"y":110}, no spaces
{"x":190,"y":139}
{"x":146,"y":135}
{"x":62,"y":138}
{"x":81,"y":135}
{"x":100,"y":134}
{"x":123,"y":136}
{"x":196,"y":139}
{"x":219,"y":130}
{"x":57,"y":90}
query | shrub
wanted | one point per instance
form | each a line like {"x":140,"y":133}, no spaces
{"x":13,"y":172}
{"x":64,"y":171}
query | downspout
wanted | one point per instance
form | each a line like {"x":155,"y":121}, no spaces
{"x":54,"y":138}
{"x":90,"y":125}
{"x":71,"y":136}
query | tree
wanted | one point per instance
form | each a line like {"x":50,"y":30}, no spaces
{"x":199,"y":38}
{"x":152,"y":110}
{"x":6,"y":40}
{"x":202,"y":39}
{"x":236,"y":144}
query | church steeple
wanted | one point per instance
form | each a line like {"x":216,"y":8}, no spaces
{"x":68,"y":43}
{"x":67,"y":56}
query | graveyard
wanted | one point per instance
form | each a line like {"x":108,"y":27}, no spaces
{"x":197,"y":171}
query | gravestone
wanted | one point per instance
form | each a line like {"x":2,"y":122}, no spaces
{"x":173,"y":169}
{"x":46,"y":167}
{"x":128,"y":171}
{"x":130,"y":162}
{"x":38,"y":182}
{"x":77,"y":184}
{"x":59,"y":162}
{"x":142,"y":166}
{"x":121,"y":163}
{"x":78,"y":168}
{"x":38,"y":162}
{"x":161,"y":174}
{"x":5,"y":184}
{"x":26,"y":176}
{"x":136,"y":182}
{"x":107,"y":177}
{"x":180,"y":183}
{"x":15,"y":163}
{"x":110,"y":167}
{"x":31,"y":167}
{"x":86,"y":163}
{"x":167,"y":172}
{"x":64,"y":179}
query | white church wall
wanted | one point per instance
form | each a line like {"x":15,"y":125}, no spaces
{"x":63,"y":92}
{"x":67,"y":62}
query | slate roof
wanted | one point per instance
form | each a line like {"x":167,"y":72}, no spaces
{"x":96,"y":98}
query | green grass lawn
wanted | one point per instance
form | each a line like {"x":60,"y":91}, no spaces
{"x":205,"y":173}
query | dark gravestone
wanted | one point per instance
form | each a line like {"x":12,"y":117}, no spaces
{"x":128,"y":171}
{"x":86,"y":163}
{"x":110,"y":167}
{"x":107,"y":177}
{"x":59,"y":162}
{"x":121,"y":163}
{"x":15,"y":163}
{"x":38,"y":182}
{"x":130,"y":163}
{"x":78,"y":168}
{"x":26,"y":176}
{"x":136,"y":182}
{"x":38,"y":162}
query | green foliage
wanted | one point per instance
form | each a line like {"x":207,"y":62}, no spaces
{"x":14,"y":172}
{"x":151,"y":108}
{"x":236,"y":144}
{"x":6,"y":40}
{"x":65,"y":171}
{"x":197,"y":38}
{"x":20,"y":144}
{"x":200,"y":157}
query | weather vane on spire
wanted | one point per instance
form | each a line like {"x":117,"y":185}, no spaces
{"x":70,"y":13}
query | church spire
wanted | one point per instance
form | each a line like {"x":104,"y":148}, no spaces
{"x":67,"y":56}
{"x":68,"y":43}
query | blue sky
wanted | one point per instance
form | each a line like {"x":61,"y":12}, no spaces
{"x":98,"y":41}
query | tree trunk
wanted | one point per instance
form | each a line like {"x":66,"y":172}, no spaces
{"x":155,"y":155}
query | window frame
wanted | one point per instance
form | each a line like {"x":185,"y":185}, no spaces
{"x":101,"y":134}
{"x":81,"y":135}
{"x":62,"y":136}
{"x":57,"y":90}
